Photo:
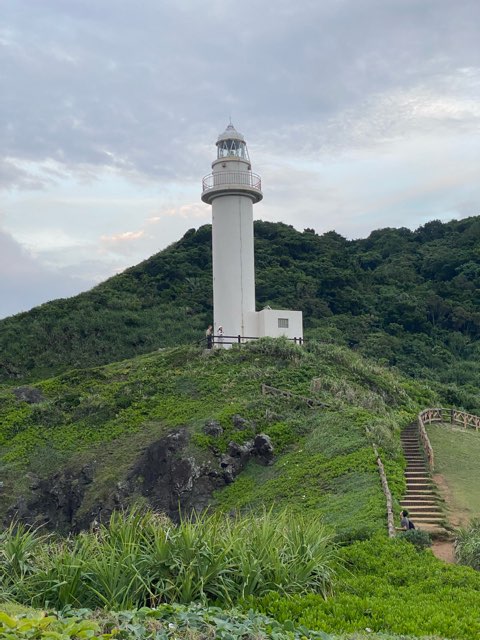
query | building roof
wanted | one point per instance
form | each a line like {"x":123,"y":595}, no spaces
{"x":230,"y":133}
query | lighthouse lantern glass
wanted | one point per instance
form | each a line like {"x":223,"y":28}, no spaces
{"x":232,"y":147}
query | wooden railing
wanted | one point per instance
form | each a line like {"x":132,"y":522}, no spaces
{"x":387,"y":493}
{"x":440,"y":414}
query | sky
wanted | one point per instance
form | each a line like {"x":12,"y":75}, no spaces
{"x":358,"y":115}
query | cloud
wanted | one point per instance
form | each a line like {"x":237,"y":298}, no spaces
{"x":126,"y":236}
{"x":112,"y":88}
{"x":357,"y":113}
{"x":25,"y":282}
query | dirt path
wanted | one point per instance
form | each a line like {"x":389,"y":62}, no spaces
{"x":457,"y":517}
{"x":444,"y":550}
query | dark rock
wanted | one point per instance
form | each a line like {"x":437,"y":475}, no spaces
{"x":213,"y":428}
{"x":166,"y":475}
{"x":240,"y":450}
{"x":226,"y":461}
{"x":55,"y":501}
{"x":88,"y":473}
{"x":173,"y":483}
{"x":263,"y":448}
{"x":29,"y":394}
{"x":34,"y":481}
{"x":239,"y":422}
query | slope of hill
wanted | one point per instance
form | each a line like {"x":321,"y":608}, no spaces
{"x":176,"y":427}
{"x":409,"y":299}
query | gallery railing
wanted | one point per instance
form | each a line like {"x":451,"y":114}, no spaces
{"x":232,"y":178}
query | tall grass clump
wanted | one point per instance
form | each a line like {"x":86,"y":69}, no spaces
{"x":19,"y":546}
{"x":467,"y":545}
{"x":143,"y":559}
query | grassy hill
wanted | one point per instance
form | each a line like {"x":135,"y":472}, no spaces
{"x":79,"y":445}
{"x":408,"y":299}
{"x":75,"y":446}
{"x":109,"y":401}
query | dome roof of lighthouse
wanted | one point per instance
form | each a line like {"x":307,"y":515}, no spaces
{"x":230,"y":133}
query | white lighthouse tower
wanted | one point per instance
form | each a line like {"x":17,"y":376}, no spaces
{"x":232,"y":190}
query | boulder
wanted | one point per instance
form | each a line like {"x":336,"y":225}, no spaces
{"x":213,"y":428}
{"x":239,"y":422}
{"x":263,"y":448}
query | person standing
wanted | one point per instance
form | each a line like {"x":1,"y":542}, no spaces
{"x":209,"y":336}
{"x":220,"y":336}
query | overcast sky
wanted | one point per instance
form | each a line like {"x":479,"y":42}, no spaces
{"x":358,"y":114}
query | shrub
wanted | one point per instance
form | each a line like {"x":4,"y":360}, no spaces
{"x":391,"y":587}
{"x":467,"y":545}
{"x":142,"y":558}
{"x":418,"y":537}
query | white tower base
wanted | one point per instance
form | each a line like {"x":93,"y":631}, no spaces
{"x":277,"y":322}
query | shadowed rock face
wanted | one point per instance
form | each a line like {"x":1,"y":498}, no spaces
{"x":172,"y":481}
{"x":166,"y":475}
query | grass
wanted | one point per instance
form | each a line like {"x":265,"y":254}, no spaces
{"x":106,"y":416}
{"x":457,"y":452}
{"x":390,"y":587}
{"x":141,"y":559}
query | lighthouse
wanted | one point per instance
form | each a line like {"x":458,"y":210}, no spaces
{"x":232,"y":189}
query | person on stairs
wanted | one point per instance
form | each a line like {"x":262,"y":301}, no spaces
{"x":405,"y":522}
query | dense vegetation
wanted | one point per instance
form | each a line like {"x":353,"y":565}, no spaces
{"x":94,"y":381}
{"x":408,"y":298}
{"x":388,"y":586}
{"x":285,"y":568}
{"x":467,"y":544}
{"x":324,"y":460}
{"x":141,"y":559}
{"x":165,"y":622}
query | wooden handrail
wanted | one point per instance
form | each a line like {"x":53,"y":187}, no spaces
{"x":387,"y":492}
{"x":441,"y":414}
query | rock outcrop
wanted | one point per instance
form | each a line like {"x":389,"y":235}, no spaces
{"x":166,"y":475}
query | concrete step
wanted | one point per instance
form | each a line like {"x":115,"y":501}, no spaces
{"x":419,"y":521}
{"x":421,"y":494}
{"x":416,"y":473}
{"x":424,"y":513}
{"x":419,"y":485}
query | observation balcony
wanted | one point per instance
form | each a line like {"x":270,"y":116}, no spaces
{"x":226,"y":183}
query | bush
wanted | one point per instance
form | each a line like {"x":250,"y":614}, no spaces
{"x":175,"y":622}
{"x":391,"y":587}
{"x":419,"y":538}
{"x":467,"y":545}
{"x":142,"y":558}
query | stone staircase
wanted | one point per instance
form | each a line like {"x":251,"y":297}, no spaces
{"x":421,"y":499}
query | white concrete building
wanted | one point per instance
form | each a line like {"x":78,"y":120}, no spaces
{"x":232,"y":189}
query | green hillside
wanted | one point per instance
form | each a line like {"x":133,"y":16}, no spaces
{"x":109,"y":401}
{"x":407,"y":298}
{"x":76,"y":446}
